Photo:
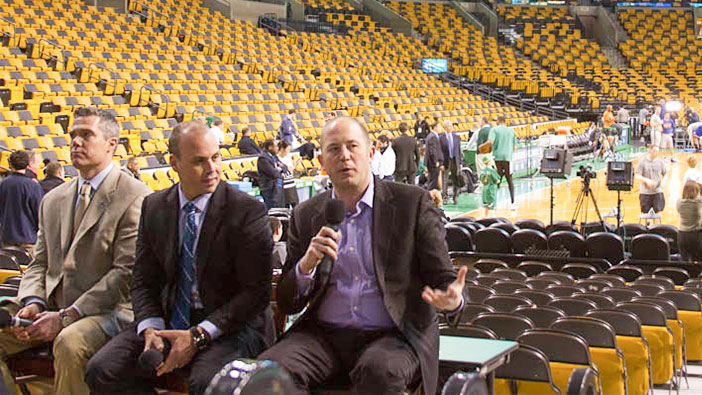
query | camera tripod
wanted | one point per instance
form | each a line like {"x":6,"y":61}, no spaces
{"x":581,"y":204}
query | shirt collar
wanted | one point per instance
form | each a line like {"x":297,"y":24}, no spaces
{"x":366,"y":198}
{"x":96,"y":181}
{"x":200,"y":202}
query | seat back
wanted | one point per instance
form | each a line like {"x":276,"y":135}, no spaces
{"x":662,"y":281}
{"x":507,"y":227}
{"x":677,"y":274}
{"x":527,"y":239}
{"x":669,"y":232}
{"x":621,"y":294}
{"x":533,"y":268}
{"x":534,"y":224}
{"x":542,"y":317}
{"x":601,"y":300}
{"x":510,"y":274}
{"x":650,"y":246}
{"x":564,"y":290}
{"x":627,"y":272}
{"x":493,"y":240}
{"x":629,"y":231}
{"x":646,"y":289}
{"x":529,"y":365}
{"x":539,"y":298}
{"x":541,"y":283}
{"x":507,"y":303}
{"x":562,"y":278}
{"x":471,"y":310}
{"x":468,"y":330}
{"x":476,"y":293}
{"x":486,"y":265}
{"x":605,"y":245}
{"x":570,"y":241}
{"x":573,"y":306}
{"x":507,"y":287}
{"x":594,"y":285}
{"x":505,"y":325}
{"x":458,"y":238}
{"x":579,"y":270}
{"x":555,"y":226}
{"x":616,"y":280}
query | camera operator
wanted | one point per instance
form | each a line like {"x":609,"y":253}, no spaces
{"x":651,"y":171}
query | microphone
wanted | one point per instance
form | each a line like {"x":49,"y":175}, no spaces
{"x":334,"y":212}
{"x":152,"y":358}
{"x":7,"y":320}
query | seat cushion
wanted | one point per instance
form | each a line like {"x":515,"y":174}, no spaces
{"x":692,"y":320}
{"x":502,"y":387}
{"x":677,"y":330}
{"x":611,"y":368}
{"x":636,"y":359}
{"x":561,"y":373}
{"x":661,"y":343}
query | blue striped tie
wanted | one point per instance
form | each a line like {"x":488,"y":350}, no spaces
{"x":180,"y":319}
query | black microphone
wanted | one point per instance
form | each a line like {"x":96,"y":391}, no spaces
{"x":7,"y":320}
{"x":152,"y":358}
{"x":334,"y":212}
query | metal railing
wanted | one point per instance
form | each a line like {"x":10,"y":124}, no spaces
{"x":62,"y":50}
{"x":148,"y":88}
{"x":113,"y":74}
{"x":14,"y":28}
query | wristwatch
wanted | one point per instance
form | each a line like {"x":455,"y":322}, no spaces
{"x":68,"y":316}
{"x":200,"y":338}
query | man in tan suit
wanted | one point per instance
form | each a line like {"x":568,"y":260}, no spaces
{"x":76,"y":290}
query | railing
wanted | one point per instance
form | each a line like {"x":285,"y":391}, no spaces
{"x":54,"y":44}
{"x":168,"y":99}
{"x":114,"y":75}
{"x":275,"y":25}
{"x":14,"y":28}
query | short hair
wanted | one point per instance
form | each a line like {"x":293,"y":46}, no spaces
{"x":32,"y":155}
{"x":691,"y":190}
{"x":131,"y":159}
{"x":433,"y":124}
{"x":692,"y":161}
{"x":275,"y":224}
{"x":446,"y":122}
{"x":217,"y":122}
{"x":174,"y":140}
{"x":282,"y":144}
{"x":291,"y":111}
{"x":107,"y":122}
{"x":436,"y":198}
{"x":609,"y":107}
{"x":651,"y":146}
{"x":383,"y":138}
{"x":19,"y":160}
{"x":53,"y":169}
{"x":332,"y":123}
{"x":501,"y":118}
{"x":244,"y":130}
{"x":268,"y":144}
{"x":403,"y":127}
{"x":484,"y":119}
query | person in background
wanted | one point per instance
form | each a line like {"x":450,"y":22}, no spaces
{"x":54,"y":177}
{"x":216,"y":129}
{"x":289,"y":184}
{"x":20,"y":196}
{"x":656,"y":127}
{"x":307,"y":150}
{"x":692,"y":173}
{"x":433,"y":157}
{"x":34,"y":165}
{"x":622,"y":116}
{"x":608,"y":117}
{"x":383,"y":164}
{"x":482,"y":138}
{"x":288,"y":130}
{"x":504,"y":143}
{"x":407,"y":156}
{"x":421,"y":126}
{"x":246,"y":144}
{"x":452,"y":160}
{"x":280,"y":251}
{"x":491,"y":181}
{"x":690,"y":229}
{"x":650,"y":171}
{"x":270,"y":176}
{"x":132,"y":167}
{"x":643,"y":120}
{"x":667,"y":136}
{"x":438,"y":202}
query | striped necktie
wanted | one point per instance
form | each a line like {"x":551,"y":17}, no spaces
{"x":180,"y":318}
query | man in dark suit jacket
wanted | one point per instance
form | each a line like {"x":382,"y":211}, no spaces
{"x":374,"y":322}
{"x":270,"y":176}
{"x":406,"y":156}
{"x":433,"y":157}
{"x":452,"y":159}
{"x":246,"y":145}
{"x":421,"y":126}
{"x":202,"y":276}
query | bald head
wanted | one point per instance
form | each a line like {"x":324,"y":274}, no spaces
{"x":346,"y":123}
{"x":180,"y":131}
{"x":346,"y":156}
{"x":196,"y":158}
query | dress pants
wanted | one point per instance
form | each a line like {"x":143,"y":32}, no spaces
{"x":690,"y":245}
{"x":72,"y":349}
{"x":114,"y":369}
{"x":375,"y":362}
{"x":503,"y":170}
{"x":453,"y":170}
{"x":406,"y":177}
{"x":433,"y":182}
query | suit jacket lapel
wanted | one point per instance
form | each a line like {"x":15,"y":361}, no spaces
{"x":210,"y":225}
{"x":66,"y":217}
{"x":99,"y":203}
{"x":170,"y":225}
{"x":383,"y":220}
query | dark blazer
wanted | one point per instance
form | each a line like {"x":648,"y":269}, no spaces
{"x":268,"y":173}
{"x":406,"y":154}
{"x":432,"y":152}
{"x":409,"y":251}
{"x":49,"y":183}
{"x":456,"y":150}
{"x":307,"y":151}
{"x":421,"y":129}
{"x":233,"y":260}
{"x":20,"y":197}
{"x":248,"y":147}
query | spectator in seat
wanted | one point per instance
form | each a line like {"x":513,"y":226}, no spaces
{"x":307,"y":149}
{"x":76,"y":289}
{"x":209,"y":246}
{"x":54,"y":177}
{"x":374,"y":322}
{"x":20,"y":196}
{"x":690,"y":229}
{"x":279,"y":247}
{"x":132,"y":167}
{"x":247,"y":145}
{"x":216,"y":129}
{"x":270,"y":176}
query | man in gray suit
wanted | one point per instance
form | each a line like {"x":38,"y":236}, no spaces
{"x":406,"y":156}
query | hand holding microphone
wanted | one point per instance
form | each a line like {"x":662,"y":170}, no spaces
{"x":324,"y":246}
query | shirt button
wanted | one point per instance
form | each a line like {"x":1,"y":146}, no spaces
{"x":355,"y":278}
{"x":352,"y":249}
{"x":355,"y":308}
{"x":353,"y":221}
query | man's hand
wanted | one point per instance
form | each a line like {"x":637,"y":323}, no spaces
{"x":152,"y":340}
{"x":182,"y":350}
{"x":324,"y":243}
{"x":28,"y":312}
{"x":46,"y":327}
{"x":451,"y":299}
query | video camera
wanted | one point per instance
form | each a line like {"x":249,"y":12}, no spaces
{"x":586,"y":172}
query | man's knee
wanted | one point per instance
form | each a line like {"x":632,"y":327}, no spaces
{"x":68,"y":347}
{"x":376,"y":375}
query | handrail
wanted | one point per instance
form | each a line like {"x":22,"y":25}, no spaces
{"x":6,"y":149}
{"x":14,"y":27}
{"x":55,"y":44}
{"x":168,"y":99}
{"x":113,"y":74}
{"x":195,"y":111}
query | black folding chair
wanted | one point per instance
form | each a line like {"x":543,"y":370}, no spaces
{"x":573,"y":306}
{"x":539,"y":298}
{"x":543,"y":316}
{"x":533,"y":268}
{"x":505,"y":325}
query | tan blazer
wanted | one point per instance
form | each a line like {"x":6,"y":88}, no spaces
{"x":96,"y":265}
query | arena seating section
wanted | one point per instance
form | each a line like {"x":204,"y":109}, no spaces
{"x":153,"y":68}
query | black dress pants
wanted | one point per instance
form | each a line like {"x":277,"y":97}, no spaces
{"x":503,"y":170}
{"x":690,"y":245}
{"x":115,"y":370}
{"x":434,"y":173}
{"x":406,"y":177}
{"x":374,"y":362}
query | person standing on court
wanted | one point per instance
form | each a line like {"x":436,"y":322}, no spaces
{"x":482,"y":138}
{"x":202,"y":277}
{"x":451,"y":154}
{"x":433,"y":157}
{"x":20,"y":196}
{"x":504,"y":142}
{"x":374,"y":322}
{"x":406,"y":155}
{"x":650,"y":171}
{"x":76,"y":289}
